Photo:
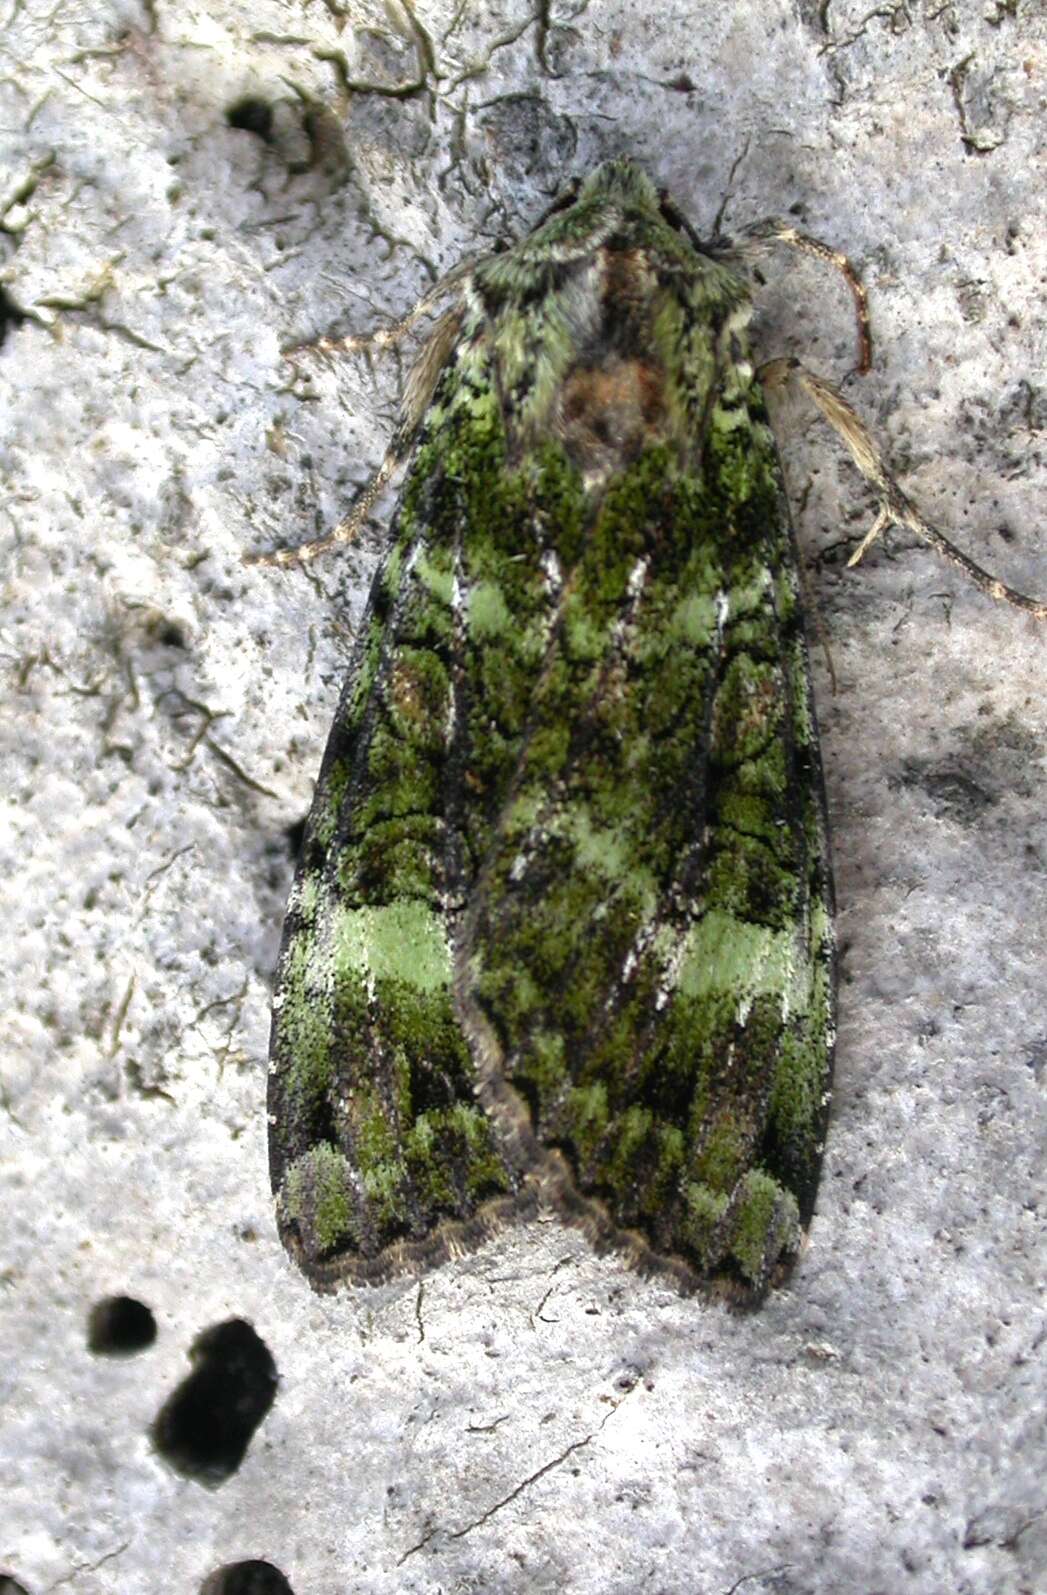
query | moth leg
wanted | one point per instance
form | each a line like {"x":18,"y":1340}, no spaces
{"x":418,"y":391}
{"x":755,"y":240}
{"x":895,"y":508}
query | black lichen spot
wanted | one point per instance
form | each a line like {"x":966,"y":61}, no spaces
{"x":252,"y":115}
{"x":11,"y":317}
{"x":203,"y":1429}
{"x":954,"y":794}
{"x":245,"y":1578}
{"x":11,"y":1586}
{"x":118,"y":1326}
{"x":171,"y":635}
{"x":295,"y":836}
{"x":525,"y":137}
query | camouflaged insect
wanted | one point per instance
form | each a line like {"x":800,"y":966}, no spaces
{"x":561,"y":932}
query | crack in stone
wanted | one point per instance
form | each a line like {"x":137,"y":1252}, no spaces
{"x":88,"y":1567}
{"x":763,"y":1572}
{"x":532,"y":1478}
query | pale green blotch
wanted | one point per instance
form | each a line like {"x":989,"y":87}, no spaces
{"x":306,"y":1036}
{"x":438,"y":578}
{"x":584,"y":638}
{"x":393,"y":571}
{"x":597,"y":847}
{"x":724,"y":954}
{"x":749,"y":598}
{"x":524,"y":809}
{"x":694,"y":620}
{"x":482,"y":404}
{"x":489,"y":614}
{"x":611,"y":852}
{"x":822,"y":935}
{"x":403,"y":941}
{"x":734,"y":419}
{"x":305,"y":898}
{"x":799,"y":1078}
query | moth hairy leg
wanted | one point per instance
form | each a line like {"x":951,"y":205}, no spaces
{"x":895,"y":507}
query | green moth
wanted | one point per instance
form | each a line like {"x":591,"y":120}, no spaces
{"x":561,"y":934}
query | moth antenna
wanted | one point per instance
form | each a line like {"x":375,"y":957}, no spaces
{"x":388,"y":337}
{"x":755,"y":241}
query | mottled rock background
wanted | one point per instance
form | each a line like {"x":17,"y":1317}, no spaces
{"x":184,"y":190}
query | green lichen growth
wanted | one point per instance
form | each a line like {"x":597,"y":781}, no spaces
{"x":327,"y":804}
{"x":701,"y":1224}
{"x":435,"y":570}
{"x":452,"y":1160}
{"x":317,"y":1198}
{"x":767,"y":1223}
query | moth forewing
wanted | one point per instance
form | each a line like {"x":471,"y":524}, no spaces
{"x":561,"y":933}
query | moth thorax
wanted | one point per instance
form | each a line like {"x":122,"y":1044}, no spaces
{"x":609,"y":412}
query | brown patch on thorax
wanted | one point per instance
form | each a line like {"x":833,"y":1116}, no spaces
{"x":613,"y":402}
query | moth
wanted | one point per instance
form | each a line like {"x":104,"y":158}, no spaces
{"x":561,"y":933}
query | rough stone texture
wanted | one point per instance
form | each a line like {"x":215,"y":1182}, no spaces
{"x":183,"y":192}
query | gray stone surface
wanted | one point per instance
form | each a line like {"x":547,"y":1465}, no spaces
{"x":531,"y":1418}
